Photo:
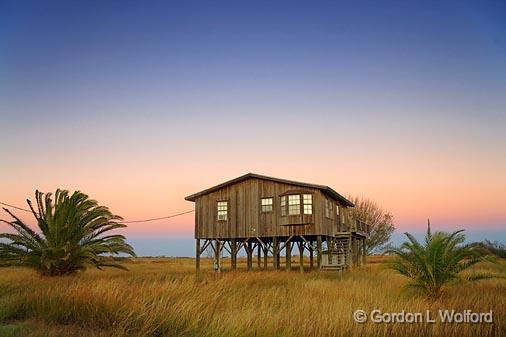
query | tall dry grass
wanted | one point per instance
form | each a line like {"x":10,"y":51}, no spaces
{"x":165,"y":298}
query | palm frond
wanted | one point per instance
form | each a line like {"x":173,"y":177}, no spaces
{"x":437,"y":262}
{"x":73,"y":235}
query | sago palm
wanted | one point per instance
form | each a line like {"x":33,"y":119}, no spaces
{"x":437,"y":262}
{"x":74,"y":233}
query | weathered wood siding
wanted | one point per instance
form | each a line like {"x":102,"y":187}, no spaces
{"x":245,"y":218}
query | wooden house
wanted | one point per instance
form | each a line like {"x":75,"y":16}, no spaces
{"x":272,"y":216}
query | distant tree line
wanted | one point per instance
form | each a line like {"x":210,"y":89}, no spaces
{"x":494,"y":247}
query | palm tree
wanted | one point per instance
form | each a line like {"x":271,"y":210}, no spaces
{"x":437,"y":262}
{"x":72,"y":236}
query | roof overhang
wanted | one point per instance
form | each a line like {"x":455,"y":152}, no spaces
{"x":325,"y":189}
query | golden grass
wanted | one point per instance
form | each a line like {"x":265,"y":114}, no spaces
{"x":163,"y":297}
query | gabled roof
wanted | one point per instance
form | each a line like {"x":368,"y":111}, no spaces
{"x":325,"y":189}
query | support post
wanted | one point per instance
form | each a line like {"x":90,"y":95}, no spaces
{"x":197,"y":255}
{"x":354,"y":251}
{"x":288,"y":262}
{"x":249,"y":252}
{"x":359,"y":252}
{"x":330,"y":246}
{"x":301,"y":257}
{"x":319,"y":251}
{"x":217,"y":255}
{"x":349,"y":258}
{"x":311,"y":257}
{"x":275,"y":253}
{"x":233,"y":254}
{"x":352,"y":258}
{"x":364,"y":252}
{"x":266,"y":254}
{"x":259,"y":255}
{"x":278,"y":258}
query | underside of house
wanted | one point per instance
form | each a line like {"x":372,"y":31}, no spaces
{"x":270,"y":220}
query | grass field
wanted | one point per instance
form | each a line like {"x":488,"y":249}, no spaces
{"x":163,"y":297}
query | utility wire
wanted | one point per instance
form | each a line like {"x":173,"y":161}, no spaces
{"x":163,"y":217}
{"x":129,"y":221}
{"x":21,"y":209}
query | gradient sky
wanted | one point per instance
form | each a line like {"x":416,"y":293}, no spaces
{"x":139,"y":104}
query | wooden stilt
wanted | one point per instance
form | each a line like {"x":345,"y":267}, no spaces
{"x":217,"y":251}
{"x":233,"y":254}
{"x":249,"y":252}
{"x":319,"y":251}
{"x":301,"y":257}
{"x":311,"y":257}
{"x":364,"y":252}
{"x":288,"y":263}
{"x":275,"y":253}
{"x":197,"y":255}
{"x":349,"y":258}
{"x":354,"y":251}
{"x":278,"y":258}
{"x":259,"y":255}
{"x":266,"y":254}
{"x":330,"y":248}
{"x":359,"y":252}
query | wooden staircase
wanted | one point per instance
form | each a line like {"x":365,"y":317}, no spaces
{"x":341,"y":256}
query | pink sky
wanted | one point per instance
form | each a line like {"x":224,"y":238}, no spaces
{"x":142,"y":106}
{"x":453,"y":192}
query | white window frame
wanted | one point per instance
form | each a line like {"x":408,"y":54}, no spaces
{"x":294,"y":204}
{"x":328,"y":208}
{"x":307,"y":203}
{"x":283,"y":205}
{"x":266,"y":204}
{"x":222,"y":210}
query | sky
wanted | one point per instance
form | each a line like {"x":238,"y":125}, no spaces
{"x":139,"y":104}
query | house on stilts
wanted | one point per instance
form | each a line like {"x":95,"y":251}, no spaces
{"x":272,"y":216}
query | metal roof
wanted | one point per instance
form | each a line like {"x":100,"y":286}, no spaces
{"x":325,"y":189}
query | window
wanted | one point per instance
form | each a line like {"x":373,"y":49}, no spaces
{"x":283,"y":205}
{"x":307,"y":200}
{"x":266,"y":205}
{"x":222,"y":210}
{"x":328,"y":208}
{"x":294,"y":204}
{"x":337,"y":211}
